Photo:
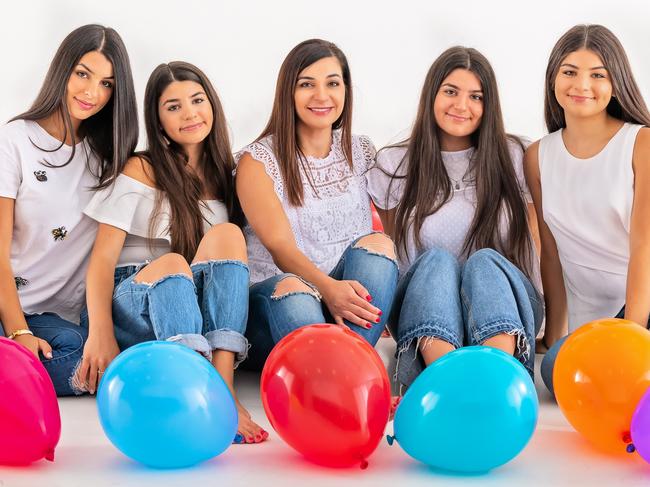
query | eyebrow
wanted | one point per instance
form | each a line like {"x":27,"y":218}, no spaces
{"x":576,"y":67}
{"x":333,"y":75}
{"x":457,"y":88}
{"x":92,"y":72}
{"x":176,"y":100}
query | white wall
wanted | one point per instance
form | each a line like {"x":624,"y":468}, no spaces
{"x":390,"y":46}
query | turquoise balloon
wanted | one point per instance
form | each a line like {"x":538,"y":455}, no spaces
{"x":164,"y":405}
{"x":470,"y":411}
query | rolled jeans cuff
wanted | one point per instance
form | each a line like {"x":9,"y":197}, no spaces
{"x":230,"y":341}
{"x":195,"y":342}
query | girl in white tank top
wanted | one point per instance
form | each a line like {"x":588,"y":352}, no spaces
{"x":589,"y":179}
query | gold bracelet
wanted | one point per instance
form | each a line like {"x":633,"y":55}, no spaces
{"x":17,"y":333}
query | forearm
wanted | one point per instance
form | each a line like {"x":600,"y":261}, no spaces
{"x":637,"y":299}
{"x":11,"y":313}
{"x":99,"y":297}
{"x":291,"y":259}
{"x":555,"y":300}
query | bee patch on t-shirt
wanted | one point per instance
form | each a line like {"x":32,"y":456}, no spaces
{"x":40,"y":176}
{"x":59,"y":234}
{"x":20,"y":282}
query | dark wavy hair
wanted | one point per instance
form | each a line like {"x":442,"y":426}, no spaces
{"x":282,"y":123}
{"x":181,"y":186}
{"x":427,"y":186}
{"x":112,"y":133}
{"x":627,"y":104}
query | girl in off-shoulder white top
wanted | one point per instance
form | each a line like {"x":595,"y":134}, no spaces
{"x":166,"y":264}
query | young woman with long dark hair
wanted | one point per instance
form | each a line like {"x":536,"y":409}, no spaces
{"x":590,"y":180}
{"x":76,"y":137}
{"x":452,"y":195}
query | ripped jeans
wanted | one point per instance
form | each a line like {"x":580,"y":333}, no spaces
{"x":67,"y":342}
{"x":463,"y":304}
{"x":205,"y":313}
{"x":271,"y":318}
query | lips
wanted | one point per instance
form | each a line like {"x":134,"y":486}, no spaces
{"x":84,"y":105}
{"x":192,"y":128}
{"x":457,"y":118}
{"x":580,"y":99}
{"x":320,"y":111}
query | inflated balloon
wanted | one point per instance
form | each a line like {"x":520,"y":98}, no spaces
{"x":601,"y":373}
{"x":166,"y":406}
{"x":377,"y":226}
{"x":326,"y":392}
{"x":30,"y":423}
{"x":640,"y":429}
{"x":470,"y":411}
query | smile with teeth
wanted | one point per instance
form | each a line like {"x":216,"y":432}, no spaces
{"x":320,"y":110}
{"x":579,"y":98}
{"x":190,"y":128}
{"x":83,"y":105}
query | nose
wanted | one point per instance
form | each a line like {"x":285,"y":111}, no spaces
{"x":583,"y":82}
{"x":321,"y":92}
{"x":91,"y":90}
{"x":189,"y":112}
{"x":460,"y":103}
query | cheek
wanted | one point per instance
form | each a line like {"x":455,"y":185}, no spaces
{"x":166,"y":122}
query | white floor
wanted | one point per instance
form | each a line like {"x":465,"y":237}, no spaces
{"x":556,"y":455}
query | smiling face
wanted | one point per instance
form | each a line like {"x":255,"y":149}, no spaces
{"x":582,"y":85}
{"x":458,"y":106}
{"x":319,"y":94}
{"x":90,"y":86}
{"x":185,"y":112}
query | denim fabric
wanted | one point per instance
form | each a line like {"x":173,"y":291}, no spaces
{"x":67,"y":342}
{"x":272,"y":318}
{"x":463,"y":304}
{"x":205,"y":313}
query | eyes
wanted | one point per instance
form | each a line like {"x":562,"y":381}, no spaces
{"x":572,"y":73}
{"x":311,"y":84}
{"x":176,"y":106}
{"x":453,"y":92}
{"x":84,"y":75}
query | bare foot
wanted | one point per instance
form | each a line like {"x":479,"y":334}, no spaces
{"x":248,"y":431}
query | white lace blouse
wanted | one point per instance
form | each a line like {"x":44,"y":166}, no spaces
{"x":336,"y":210}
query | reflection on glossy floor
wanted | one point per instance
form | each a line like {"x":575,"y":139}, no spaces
{"x":555,"y":456}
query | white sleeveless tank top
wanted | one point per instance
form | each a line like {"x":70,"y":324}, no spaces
{"x":587,"y":204}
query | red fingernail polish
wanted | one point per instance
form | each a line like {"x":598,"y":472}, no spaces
{"x":369,"y":298}
{"x":377,"y":320}
{"x":368,"y":326}
{"x":380,"y":313}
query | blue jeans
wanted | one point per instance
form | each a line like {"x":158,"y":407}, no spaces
{"x":273,"y":317}
{"x":548,"y":362}
{"x":205,"y":313}
{"x":463,"y":304}
{"x":67,"y":342}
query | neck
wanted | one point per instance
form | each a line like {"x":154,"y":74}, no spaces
{"x":194,"y":153}
{"x":315,"y":142}
{"x":585,"y":128}
{"x":55,"y":126}
{"x":451,"y":143}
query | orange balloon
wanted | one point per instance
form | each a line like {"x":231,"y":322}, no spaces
{"x":601,"y":373}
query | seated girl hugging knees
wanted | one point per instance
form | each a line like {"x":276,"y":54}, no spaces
{"x":169,"y":261}
{"x":453,"y":197}
{"x":75,"y":138}
{"x":302,"y":187}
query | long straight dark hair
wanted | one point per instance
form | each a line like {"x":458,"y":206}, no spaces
{"x":181,"y":186}
{"x":627,"y":104}
{"x":282,"y":123}
{"x":427,"y":186}
{"x":112,"y":133}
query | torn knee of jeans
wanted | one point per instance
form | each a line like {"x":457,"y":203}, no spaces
{"x":77,"y":385}
{"x":377,"y":244}
{"x":294,"y":285}
{"x":165,"y":278}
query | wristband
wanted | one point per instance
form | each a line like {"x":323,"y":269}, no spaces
{"x":17,"y":333}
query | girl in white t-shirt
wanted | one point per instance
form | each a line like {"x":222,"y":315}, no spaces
{"x":167,"y":264}
{"x":76,"y":136}
{"x":590,"y":180}
{"x":453,"y":198}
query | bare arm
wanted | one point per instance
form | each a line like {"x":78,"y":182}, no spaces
{"x":264,"y":212}
{"x":637,"y":300}
{"x":11,"y":313}
{"x":550,"y":266}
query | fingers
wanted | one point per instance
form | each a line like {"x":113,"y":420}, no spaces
{"x":82,"y":373}
{"x":45,"y":348}
{"x":364,"y":314}
{"x":363,"y":298}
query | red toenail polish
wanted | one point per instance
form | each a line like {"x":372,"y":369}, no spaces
{"x":369,"y":298}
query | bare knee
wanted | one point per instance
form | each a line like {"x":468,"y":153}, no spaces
{"x":222,"y":241}
{"x":290,"y":285}
{"x":378,"y":243}
{"x":165,"y":265}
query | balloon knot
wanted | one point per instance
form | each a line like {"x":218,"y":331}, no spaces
{"x":630,"y":448}
{"x":626,"y":437}
{"x":390,"y":439}
{"x":364,"y":464}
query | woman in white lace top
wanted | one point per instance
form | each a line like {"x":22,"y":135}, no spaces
{"x":312,"y":254}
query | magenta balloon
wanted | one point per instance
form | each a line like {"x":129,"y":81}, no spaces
{"x":640,"y":429}
{"x":30,"y":423}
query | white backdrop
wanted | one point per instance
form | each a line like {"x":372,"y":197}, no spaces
{"x":389,"y":44}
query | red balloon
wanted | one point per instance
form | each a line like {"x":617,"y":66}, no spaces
{"x":326,"y":393}
{"x":30,"y":423}
{"x":377,"y":226}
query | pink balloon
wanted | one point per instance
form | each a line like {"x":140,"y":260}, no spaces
{"x":30,"y":423}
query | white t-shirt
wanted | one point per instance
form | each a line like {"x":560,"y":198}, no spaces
{"x":129,"y":205}
{"x":52,"y":238}
{"x":336,"y":210}
{"x":448,"y":227}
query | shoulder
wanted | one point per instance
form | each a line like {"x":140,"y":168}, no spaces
{"x":391,"y":157}
{"x":140,"y":169}
{"x":261,"y":151}
{"x":13,"y":133}
{"x":641,"y":154}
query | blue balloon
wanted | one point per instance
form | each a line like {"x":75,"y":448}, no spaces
{"x":470,"y":411}
{"x":166,"y":406}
